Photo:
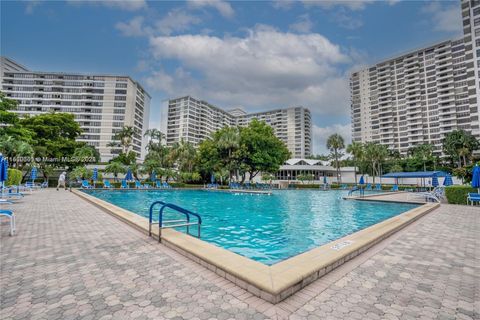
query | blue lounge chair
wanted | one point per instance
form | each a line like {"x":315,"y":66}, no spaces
{"x":44,"y":184}
{"x":369,"y":187}
{"x":394,"y":188}
{"x":166,"y":185}
{"x":86,"y":185}
{"x":473,"y":197}
{"x":378,"y":187}
{"x":11,"y":216}
{"x":106,"y":184}
{"x":10,"y":194}
{"x":158,"y":184}
{"x":124,"y":184}
{"x":138,"y":185}
{"x":344,"y":187}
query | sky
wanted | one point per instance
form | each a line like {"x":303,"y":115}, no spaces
{"x":256,"y":55}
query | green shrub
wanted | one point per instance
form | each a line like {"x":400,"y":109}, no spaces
{"x":458,"y":194}
{"x":14,"y":177}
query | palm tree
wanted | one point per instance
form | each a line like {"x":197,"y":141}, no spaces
{"x":356,"y":150}
{"x":184,"y":153}
{"x":423,"y":152}
{"x":229,"y":140}
{"x":123,"y":138}
{"x":335,"y":144}
{"x":155,"y":139}
{"x":115,"y":168}
{"x":376,"y":154}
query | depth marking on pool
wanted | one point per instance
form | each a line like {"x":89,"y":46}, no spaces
{"x":341,"y":245}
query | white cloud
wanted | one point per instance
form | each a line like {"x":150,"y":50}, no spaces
{"x":328,"y":4}
{"x":303,"y":24}
{"x":176,"y":20}
{"x":321,"y":134}
{"x":445,"y":18}
{"x":264,"y":69}
{"x":30,"y":7}
{"x":283,"y":4}
{"x":128,"y":5}
{"x":346,"y":20}
{"x":133,"y":28}
{"x":223,"y":7}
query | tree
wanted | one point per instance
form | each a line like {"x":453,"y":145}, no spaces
{"x":336,"y":144}
{"x":54,"y":137}
{"x":356,"y":150}
{"x":123,"y":139}
{"x":375,"y":154}
{"x":115,"y":168}
{"x":184,"y":154}
{"x":86,"y":153}
{"x":228,"y":141}
{"x":9,"y":121}
{"x":422,"y":152}
{"x":260,"y":150}
{"x":460,"y":145}
{"x":16,"y":149}
{"x":155,"y":138}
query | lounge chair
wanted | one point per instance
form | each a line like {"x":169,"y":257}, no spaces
{"x":10,"y":194}
{"x":378,"y":187}
{"x":138,"y":185}
{"x":344,"y":187}
{"x":86,"y":185}
{"x":473,"y":197}
{"x":106,"y":184}
{"x":435,"y":195}
{"x":369,"y":187}
{"x":30,"y":185}
{"x":124,"y":184}
{"x":166,"y":185}
{"x":394,"y":188}
{"x":158,"y":184}
{"x":44,"y":184}
{"x":11,"y":216}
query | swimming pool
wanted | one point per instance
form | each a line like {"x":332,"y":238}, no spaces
{"x":265,"y":228}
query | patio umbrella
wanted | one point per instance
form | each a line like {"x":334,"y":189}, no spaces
{"x":153,"y":176}
{"x":448,"y":180}
{"x":476,"y":177}
{"x":434,"y":180}
{"x":2,"y":178}
{"x":129,"y":176}
{"x":33,"y":174}
{"x":95,"y":176}
{"x":362,"y":181}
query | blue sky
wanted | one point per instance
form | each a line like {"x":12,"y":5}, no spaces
{"x":257,"y":55}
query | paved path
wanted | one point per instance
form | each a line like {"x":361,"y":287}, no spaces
{"x":71,"y":260}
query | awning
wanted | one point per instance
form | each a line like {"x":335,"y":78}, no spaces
{"x":417,"y":174}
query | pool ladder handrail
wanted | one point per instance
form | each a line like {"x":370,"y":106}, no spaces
{"x":162,"y":224}
{"x":362,"y":191}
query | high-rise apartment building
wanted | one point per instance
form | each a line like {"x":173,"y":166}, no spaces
{"x":420,"y":96}
{"x":194,"y":120}
{"x":101,"y":104}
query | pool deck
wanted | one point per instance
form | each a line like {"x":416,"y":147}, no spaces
{"x":71,"y":260}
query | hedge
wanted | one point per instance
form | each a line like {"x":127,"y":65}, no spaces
{"x":14,"y":177}
{"x":458,"y":194}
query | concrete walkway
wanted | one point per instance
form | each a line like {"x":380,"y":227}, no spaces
{"x":70,"y":260}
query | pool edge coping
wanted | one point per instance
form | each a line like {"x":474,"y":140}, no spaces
{"x":279,"y":281}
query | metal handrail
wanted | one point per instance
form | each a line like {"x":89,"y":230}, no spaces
{"x":162,"y":223}
{"x":362,"y":191}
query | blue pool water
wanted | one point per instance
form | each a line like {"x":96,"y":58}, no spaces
{"x":265,"y":228}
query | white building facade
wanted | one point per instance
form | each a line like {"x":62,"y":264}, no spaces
{"x":420,"y":96}
{"x":194,"y":120}
{"x":101,"y":104}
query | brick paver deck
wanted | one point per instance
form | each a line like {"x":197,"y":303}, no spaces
{"x":70,"y":260}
